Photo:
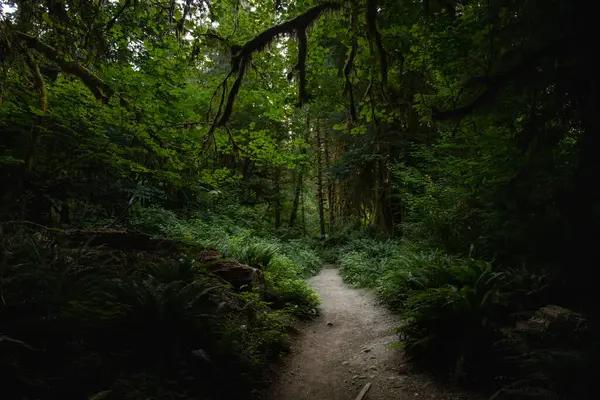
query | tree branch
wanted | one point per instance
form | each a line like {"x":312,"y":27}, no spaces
{"x":38,"y":79}
{"x":114,"y":19}
{"x":493,"y":84}
{"x":100,"y":89}
{"x":241,"y":55}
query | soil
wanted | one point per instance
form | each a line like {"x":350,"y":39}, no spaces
{"x":350,"y":345}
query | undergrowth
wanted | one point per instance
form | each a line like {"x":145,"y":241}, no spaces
{"x":458,"y":314}
{"x":81,"y":321}
{"x":285,"y":263}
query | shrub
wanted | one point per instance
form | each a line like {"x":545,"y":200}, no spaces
{"x":78,"y":323}
{"x":285,"y":264}
{"x":363,"y":261}
{"x":453,"y":326}
{"x":415,"y":271}
{"x":287,"y":289}
{"x":451,"y":306}
{"x":302,"y":255}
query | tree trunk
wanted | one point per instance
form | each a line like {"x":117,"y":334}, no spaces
{"x":320,"y":199}
{"x":297,"y":193}
{"x":277,"y":202}
{"x":330,"y":189}
{"x":303,"y":212}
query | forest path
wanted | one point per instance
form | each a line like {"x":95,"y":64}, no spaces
{"x":334,"y":356}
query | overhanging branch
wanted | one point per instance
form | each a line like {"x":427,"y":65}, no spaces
{"x":241,"y":55}
{"x":100,"y":89}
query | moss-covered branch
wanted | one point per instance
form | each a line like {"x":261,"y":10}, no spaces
{"x":301,"y":65}
{"x":38,"y":80}
{"x":241,"y":55}
{"x":100,"y":89}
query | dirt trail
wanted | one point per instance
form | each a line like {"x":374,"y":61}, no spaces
{"x":335,"y":356}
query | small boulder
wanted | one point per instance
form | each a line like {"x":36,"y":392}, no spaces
{"x":239,"y":275}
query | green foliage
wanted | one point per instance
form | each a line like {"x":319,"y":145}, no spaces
{"x":285,"y":266}
{"x":111,"y":320}
{"x":456,"y":325}
{"x":303,"y":255}
{"x":466,"y":128}
{"x":288,"y":290}
{"x":363,"y":261}
{"x":252,"y":251}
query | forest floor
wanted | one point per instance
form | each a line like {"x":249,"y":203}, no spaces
{"x":350,"y":345}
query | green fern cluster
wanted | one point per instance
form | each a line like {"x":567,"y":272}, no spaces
{"x":363,"y":261}
{"x":76,"y":323}
{"x":455,"y":325}
{"x":458,"y":316}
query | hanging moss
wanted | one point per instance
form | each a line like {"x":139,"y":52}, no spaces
{"x":241,"y":55}
{"x":100,"y":89}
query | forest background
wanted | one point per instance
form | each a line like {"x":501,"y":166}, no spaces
{"x":441,"y":152}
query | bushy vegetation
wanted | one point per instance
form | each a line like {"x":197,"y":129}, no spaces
{"x":79,"y":318}
{"x":130,"y":324}
{"x":471,"y":319}
{"x":443,"y":152}
{"x":284,"y":263}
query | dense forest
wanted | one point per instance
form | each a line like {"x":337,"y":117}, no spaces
{"x":173,"y":170}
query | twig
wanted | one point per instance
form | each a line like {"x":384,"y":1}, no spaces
{"x":130,"y":203}
{"x":114,"y":19}
{"x":4,"y":338}
{"x":363,"y":391}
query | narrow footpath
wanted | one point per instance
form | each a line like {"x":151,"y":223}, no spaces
{"x":349,"y":346}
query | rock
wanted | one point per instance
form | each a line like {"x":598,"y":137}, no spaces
{"x":548,"y":327}
{"x":345,"y":362}
{"x":202,"y":355}
{"x":237,"y":274}
{"x":359,"y":377}
{"x":403,"y":369}
{"x":373,"y":368}
{"x":208,"y":255}
{"x":329,"y":323}
{"x":366,"y":350}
